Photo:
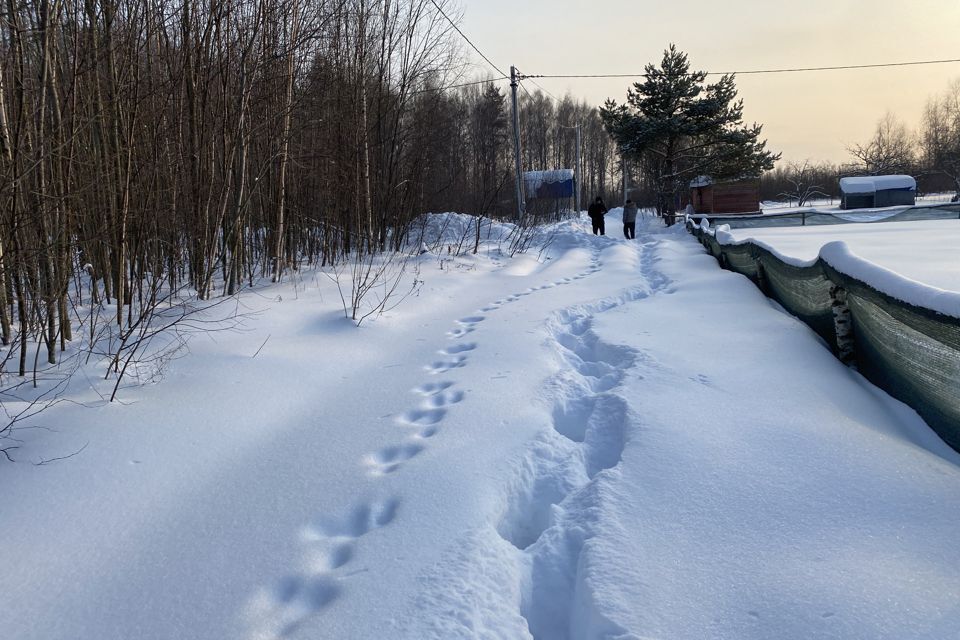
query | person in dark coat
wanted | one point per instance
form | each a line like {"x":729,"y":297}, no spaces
{"x":630,"y":220}
{"x":596,"y":212}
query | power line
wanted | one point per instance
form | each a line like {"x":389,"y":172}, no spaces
{"x":753,"y":71}
{"x":537,"y":84}
{"x":457,"y":86}
{"x":464,"y":36}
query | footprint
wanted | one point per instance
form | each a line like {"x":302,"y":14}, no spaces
{"x":471,"y":320}
{"x":459,"y":348}
{"x":280,"y":612}
{"x":459,"y":332}
{"x":330,"y":557}
{"x":422,"y":417}
{"x":444,"y":399}
{"x":362,"y":519}
{"x":579,"y":327}
{"x":389,"y":459}
{"x":428,"y":432}
{"x":442,"y":366}
{"x":430,"y":388}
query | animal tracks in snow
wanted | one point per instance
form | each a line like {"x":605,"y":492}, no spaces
{"x":422,"y":417}
{"x":388,"y":459}
{"x":444,"y":398}
{"x":442,"y":366}
{"x":431,"y":388}
{"x":588,"y":437}
{"x":459,"y":348}
{"x":362,"y":519}
{"x":329,"y":544}
{"x":459,"y":332}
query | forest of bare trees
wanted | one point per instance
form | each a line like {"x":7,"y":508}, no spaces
{"x":156,"y":151}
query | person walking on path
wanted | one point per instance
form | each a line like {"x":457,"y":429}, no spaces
{"x":596,"y":212}
{"x":630,"y":220}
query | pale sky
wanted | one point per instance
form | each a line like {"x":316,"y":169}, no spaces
{"x":807,"y":115}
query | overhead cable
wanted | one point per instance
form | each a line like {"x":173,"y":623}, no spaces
{"x":751,"y":71}
{"x":464,"y":36}
{"x":457,"y":86}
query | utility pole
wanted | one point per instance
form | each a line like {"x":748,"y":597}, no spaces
{"x":576,"y":169}
{"x":576,"y":175}
{"x":521,"y":205}
{"x":623,"y":159}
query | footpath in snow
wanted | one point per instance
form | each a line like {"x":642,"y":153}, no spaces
{"x":615,"y":439}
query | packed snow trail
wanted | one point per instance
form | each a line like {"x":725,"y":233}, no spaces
{"x":679,"y":494}
{"x":617,"y":440}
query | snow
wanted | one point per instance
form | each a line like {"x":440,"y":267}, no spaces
{"x":872,"y":184}
{"x":553,"y":183}
{"x":605,"y":438}
{"x":550,"y":175}
{"x":839,"y":256}
{"x":912,"y":261}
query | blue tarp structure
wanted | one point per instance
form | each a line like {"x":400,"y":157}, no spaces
{"x":548,"y":185}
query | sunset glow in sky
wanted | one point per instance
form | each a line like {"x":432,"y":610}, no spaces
{"x":806,"y":115}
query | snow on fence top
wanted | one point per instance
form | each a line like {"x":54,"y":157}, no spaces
{"x":838,"y":255}
{"x":554,"y":183}
{"x":872,"y":184}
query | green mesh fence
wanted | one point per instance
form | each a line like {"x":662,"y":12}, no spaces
{"x":803,"y":291}
{"x":910,"y":352}
{"x":816,"y":218}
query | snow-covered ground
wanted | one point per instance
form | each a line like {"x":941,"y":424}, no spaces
{"x":833,"y":204}
{"x":927,"y":251}
{"x":615,"y":440}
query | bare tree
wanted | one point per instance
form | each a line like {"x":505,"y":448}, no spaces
{"x":802,"y":187}
{"x":892,"y":149}
{"x":940,"y":134}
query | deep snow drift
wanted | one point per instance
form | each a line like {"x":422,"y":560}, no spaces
{"x":610,"y":439}
{"x":924,"y":251}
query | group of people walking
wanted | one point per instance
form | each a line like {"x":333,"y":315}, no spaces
{"x":597,"y":210}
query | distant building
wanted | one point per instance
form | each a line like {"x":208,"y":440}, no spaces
{"x":867,"y":192}
{"x":553,"y":184}
{"x":729,"y":196}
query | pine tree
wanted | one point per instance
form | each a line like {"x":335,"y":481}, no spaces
{"x":676,"y":127}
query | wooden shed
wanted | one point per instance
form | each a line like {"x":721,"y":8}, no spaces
{"x":727,"y":197}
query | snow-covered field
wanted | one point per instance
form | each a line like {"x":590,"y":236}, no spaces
{"x":833,"y":204}
{"x":615,"y":440}
{"x":927,"y":251}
